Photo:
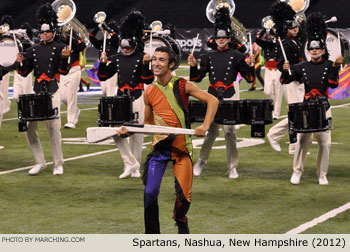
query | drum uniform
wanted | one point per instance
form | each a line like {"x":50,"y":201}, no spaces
{"x":272,"y":87}
{"x":132,"y":74}
{"x":4,"y":80}
{"x":317,"y":78}
{"x":168,"y":102}
{"x":294,"y":92}
{"x":112,"y":44}
{"x":47,"y":63}
{"x":69,"y":84}
{"x":223,"y":67}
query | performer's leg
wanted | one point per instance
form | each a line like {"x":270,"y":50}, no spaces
{"x":54,"y":130}
{"x":154,"y":166}
{"x":278,"y":94}
{"x":72,"y":95}
{"x":111,"y":85}
{"x":4,"y":93}
{"x":183,"y":183}
{"x":34,"y":142}
{"x":301,"y":147}
{"x":268,"y":87}
{"x":324,"y":146}
{"x":231,"y":150}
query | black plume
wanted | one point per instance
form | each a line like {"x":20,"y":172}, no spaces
{"x":132,"y":25}
{"x":222,"y":19}
{"x":316,"y":27}
{"x":28,"y":28}
{"x":281,"y":12}
{"x":7,"y":19}
{"x":46,"y":15}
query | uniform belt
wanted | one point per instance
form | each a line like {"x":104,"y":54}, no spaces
{"x":220,"y":84}
{"x":127,"y":86}
{"x":271,"y":64}
{"x":314,"y":93}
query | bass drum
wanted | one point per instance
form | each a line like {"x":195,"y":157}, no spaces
{"x":8,"y":52}
{"x":332,"y":43}
{"x":167,"y":41}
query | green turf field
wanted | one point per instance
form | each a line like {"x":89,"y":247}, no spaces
{"x":90,"y":198}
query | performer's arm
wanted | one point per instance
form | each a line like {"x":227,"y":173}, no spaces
{"x":64,"y":66}
{"x":212,"y":106}
{"x":106,"y":70}
{"x":146,"y":74}
{"x":25,"y":64}
{"x":296,"y":73}
{"x":333,"y":76}
{"x":196,"y":74}
{"x":247,"y":69}
{"x":97,"y":43}
{"x":149,"y":118}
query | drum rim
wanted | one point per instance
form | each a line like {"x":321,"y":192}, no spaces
{"x":20,"y":49}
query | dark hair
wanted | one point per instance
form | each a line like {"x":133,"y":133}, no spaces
{"x":169,"y":51}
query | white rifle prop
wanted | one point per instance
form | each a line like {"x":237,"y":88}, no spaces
{"x":98,"y":134}
{"x":284,"y":53}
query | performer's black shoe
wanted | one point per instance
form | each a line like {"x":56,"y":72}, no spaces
{"x":182,"y":227}
{"x":87,"y":87}
{"x":251,"y":89}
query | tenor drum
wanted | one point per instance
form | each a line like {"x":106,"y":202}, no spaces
{"x":8,"y":52}
{"x":308,"y":116}
{"x":115,"y":110}
{"x":333,"y":44}
{"x":257,"y":111}
{"x":164,"y":40}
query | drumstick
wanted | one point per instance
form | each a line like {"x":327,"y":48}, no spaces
{"x":150,"y":51}
{"x":104,"y":43}
{"x":195,"y":43}
{"x":70,"y":42}
{"x":339,"y":46}
{"x":15,"y":39}
{"x":284,"y":53}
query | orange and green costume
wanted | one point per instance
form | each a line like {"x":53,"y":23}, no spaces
{"x":169,"y":104}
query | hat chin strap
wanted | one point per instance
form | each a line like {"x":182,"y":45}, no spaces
{"x":316,"y":56}
{"x":222,"y":44}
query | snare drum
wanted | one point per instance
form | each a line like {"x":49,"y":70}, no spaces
{"x":35,"y":107}
{"x":164,"y":40}
{"x":8,"y":52}
{"x":308,"y":116}
{"x":228,"y":112}
{"x":115,"y":110}
{"x":257,"y":111}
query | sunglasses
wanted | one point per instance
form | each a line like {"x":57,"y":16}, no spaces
{"x":314,"y":48}
{"x":45,"y":31}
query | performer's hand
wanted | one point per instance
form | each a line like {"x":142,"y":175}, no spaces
{"x":66,"y":52}
{"x":286,"y":66}
{"x":19,"y":58}
{"x":123,"y":132}
{"x":200,"y":131}
{"x":191,"y":60}
{"x":103,"y":57}
{"x":251,"y":60}
{"x":338,"y":61}
{"x":146,"y":58}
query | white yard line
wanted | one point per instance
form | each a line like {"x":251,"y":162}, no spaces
{"x":65,"y":160}
{"x":320,"y":219}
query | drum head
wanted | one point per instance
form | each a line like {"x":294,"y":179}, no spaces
{"x":8,"y":52}
{"x":333,"y":46}
{"x":167,"y":41}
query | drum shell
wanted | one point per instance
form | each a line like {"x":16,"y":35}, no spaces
{"x":229,"y":112}
{"x":35,"y":107}
{"x":306,"y":117}
{"x":164,"y":40}
{"x":115,"y":110}
{"x":8,"y":52}
{"x":197,"y":110}
{"x":257,"y":111}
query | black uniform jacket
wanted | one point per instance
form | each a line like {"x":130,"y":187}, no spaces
{"x":132,"y":74}
{"x":223,"y":67}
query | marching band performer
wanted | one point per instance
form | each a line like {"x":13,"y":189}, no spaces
{"x":23,"y":85}
{"x":5,"y":103}
{"x":272,"y":53}
{"x":69,"y":84}
{"x":112,"y":44}
{"x":48,"y":59}
{"x":131,"y":65}
{"x":287,"y":27}
{"x":223,"y":65}
{"x":317,"y":74}
{"x":166,"y":102}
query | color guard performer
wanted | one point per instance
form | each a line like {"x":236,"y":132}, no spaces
{"x":223,"y":65}
{"x":132,"y":67}
{"x":287,"y":28}
{"x":48,"y":59}
{"x":317,"y":74}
